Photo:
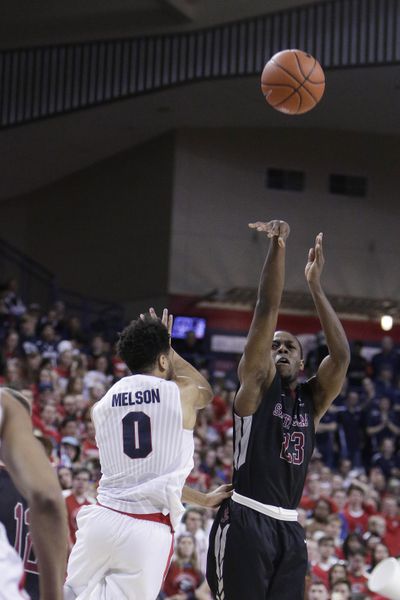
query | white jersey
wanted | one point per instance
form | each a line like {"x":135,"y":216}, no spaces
{"x":145,"y":453}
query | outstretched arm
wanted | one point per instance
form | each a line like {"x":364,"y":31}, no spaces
{"x":35,"y":479}
{"x":185,"y":374}
{"x":210,"y":499}
{"x":332,"y":371}
{"x":256,"y":368}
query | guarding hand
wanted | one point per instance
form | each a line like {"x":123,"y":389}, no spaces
{"x":279,"y":229}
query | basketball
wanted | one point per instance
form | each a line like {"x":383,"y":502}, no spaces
{"x":293,"y":82}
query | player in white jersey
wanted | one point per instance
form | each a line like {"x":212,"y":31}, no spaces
{"x":144,"y":431}
{"x":32,"y":474}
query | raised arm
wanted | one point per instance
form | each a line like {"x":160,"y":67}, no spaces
{"x":332,"y":371}
{"x":35,"y":479}
{"x":256,"y":368}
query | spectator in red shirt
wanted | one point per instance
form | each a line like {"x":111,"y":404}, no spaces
{"x":78,"y":497}
{"x":183,"y":577}
{"x":320,"y":570}
{"x":357,"y":573}
{"x":355,"y":513}
{"x":89,"y":446}
{"x":390,"y":510}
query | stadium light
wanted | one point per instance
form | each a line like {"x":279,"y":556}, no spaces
{"x":386,"y":322}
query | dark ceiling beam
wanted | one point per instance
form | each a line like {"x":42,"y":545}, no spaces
{"x":182,"y":8}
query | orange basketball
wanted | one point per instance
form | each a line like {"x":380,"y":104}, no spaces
{"x":293,"y":82}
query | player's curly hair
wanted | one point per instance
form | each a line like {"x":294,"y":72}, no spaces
{"x":141,"y":342}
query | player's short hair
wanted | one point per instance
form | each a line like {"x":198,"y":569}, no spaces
{"x":141,"y":342}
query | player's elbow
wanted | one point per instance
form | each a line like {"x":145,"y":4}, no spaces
{"x":49,"y":501}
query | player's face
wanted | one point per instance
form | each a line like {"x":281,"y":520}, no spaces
{"x":286,"y":354}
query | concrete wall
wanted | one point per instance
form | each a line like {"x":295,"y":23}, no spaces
{"x":220,"y":187}
{"x":104,"y":231}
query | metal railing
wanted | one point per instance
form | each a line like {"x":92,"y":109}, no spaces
{"x":37,"y":83}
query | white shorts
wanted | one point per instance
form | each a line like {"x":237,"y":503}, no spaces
{"x":11,"y":571}
{"x":117,"y":557}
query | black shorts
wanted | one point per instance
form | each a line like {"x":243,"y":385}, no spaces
{"x":255,"y":557}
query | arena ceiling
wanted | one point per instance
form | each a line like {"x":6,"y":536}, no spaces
{"x":33,"y":155}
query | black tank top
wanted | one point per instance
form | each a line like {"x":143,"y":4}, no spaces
{"x":14,"y":514}
{"x":273,"y":447}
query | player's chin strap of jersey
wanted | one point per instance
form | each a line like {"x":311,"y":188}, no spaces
{"x":276,"y":512}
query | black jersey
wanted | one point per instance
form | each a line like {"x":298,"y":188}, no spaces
{"x":273,"y":447}
{"x":14,"y":514}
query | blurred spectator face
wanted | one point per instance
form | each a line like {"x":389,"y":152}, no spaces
{"x":389,"y":506}
{"x":313,"y":485}
{"x":322,"y":511}
{"x":97,"y":392}
{"x":334,"y":527}
{"x":80,"y":483}
{"x":377,"y":478}
{"x":326,"y":548}
{"x":97,"y":345}
{"x":210,"y":458}
{"x":380,"y":552}
{"x":65,"y":359}
{"x":69,"y":450}
{"x":384,"y":404}
{"x":353,"y":542}
{"x":59,"y":308}
{"x":12,"y":341}
{"x":75,"y":385}
{"x":355,"y":498}
{"x":28,"y":326}
{"x":70,"y":429}
{"x":185,"y":547}
{"x":193,"y":521}
{"x":45,"y":376}
{"x":48,"y":414}
{"x":33,"y":360}
{"x":386,"y":375}
{"x":337,"y":483}
{"x":14,"y":373}
{"x":90,"y":430}
{"x":81,"y":403}
{"x":318,"y":591}
{"x":312,"y":551}
{"x":48,"y":333}
{"x":337,"y":572}
{"x":352,"y":399}
{"x":325,"y":474}
{"x":356,"y":563}
{"x":70,"y":405}
{"x":388,"y":447}
{"x":387,"y":343}
{"x":102,"y":364}
{"x":341,"y":590}
{"x":65,"y":478}
{"x":345,"y":467}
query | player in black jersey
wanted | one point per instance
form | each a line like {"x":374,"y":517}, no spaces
{"x":35,"y":479}
{"x":257,"y":547}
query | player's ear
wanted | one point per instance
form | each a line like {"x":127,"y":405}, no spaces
{"x":302,"y":364}
{"x":163,"y":362}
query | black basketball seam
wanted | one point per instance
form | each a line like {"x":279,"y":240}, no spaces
{"x":301,"y":84}
{"x":288,"y":98}
{"x":306,"y":76}
{"x":286,"y":71}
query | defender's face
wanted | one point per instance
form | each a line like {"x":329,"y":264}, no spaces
{"x":286,"y":354}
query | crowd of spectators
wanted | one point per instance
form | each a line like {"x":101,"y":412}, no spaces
{"x":350,"y":505}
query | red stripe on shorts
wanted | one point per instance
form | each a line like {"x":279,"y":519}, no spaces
{"x":155,"y":517}
{"x":171,"y":551}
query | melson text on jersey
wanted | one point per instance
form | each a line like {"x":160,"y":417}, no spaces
{"x":140,"y":397}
